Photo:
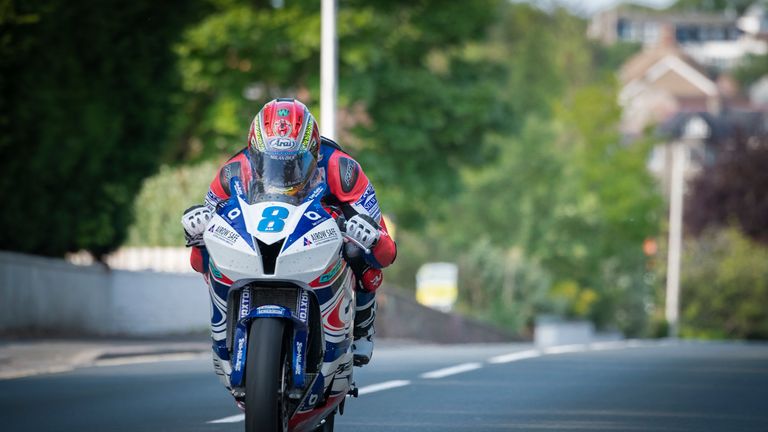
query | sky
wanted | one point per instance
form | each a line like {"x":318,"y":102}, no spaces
{"x":588,"y":7}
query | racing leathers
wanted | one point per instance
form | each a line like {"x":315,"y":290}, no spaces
{"x":349,"y":194}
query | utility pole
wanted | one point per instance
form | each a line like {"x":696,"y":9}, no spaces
{"x":695,"y":132}
{"x":328,"y":68}
{"x":675,"y":237}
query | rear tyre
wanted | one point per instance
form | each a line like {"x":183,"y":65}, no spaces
{"x":264,"y":405}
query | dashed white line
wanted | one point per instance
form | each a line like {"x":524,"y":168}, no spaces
{"x":386,"y":385}
{"x":515,"y":356}
{"x":230,"y":419}
{"x":562,"y":349}
{"x":610,"y":345}
{"x":453,"y":370}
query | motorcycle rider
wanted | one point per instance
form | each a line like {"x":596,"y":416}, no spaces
{"x":284,"y":137}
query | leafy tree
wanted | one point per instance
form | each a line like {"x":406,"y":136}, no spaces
{"x":724,"y":286}
{"x":411,"y":89}
{"x":86,"y":99}
{"x":711,"y":5}
{"x":752,"y":68}
{"x":733,"y":190}
{"x":163,"y":198}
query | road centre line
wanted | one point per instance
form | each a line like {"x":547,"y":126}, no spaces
{"x":453,"y":370}
{"x":515,"y":356}
{"x":562,"y":349}
{"x":386,"y":385}
{"x":230,"y":419}
{"x":373,"y":388}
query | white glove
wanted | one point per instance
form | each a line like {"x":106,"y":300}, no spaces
{"x":363,"y":229}
{"x":194,"y":221}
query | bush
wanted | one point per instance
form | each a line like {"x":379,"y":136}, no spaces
{"x":724,"y":287}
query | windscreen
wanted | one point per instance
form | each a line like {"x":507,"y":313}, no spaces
{"x":282,"y":176}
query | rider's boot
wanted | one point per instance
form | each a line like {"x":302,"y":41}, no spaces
{"x":365,"y":313}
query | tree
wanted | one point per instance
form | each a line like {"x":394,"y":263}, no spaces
{"x":724,"y":286}
{"x":733,"y":190}
{"x":415,"y":99}
{"x":86,"y":99}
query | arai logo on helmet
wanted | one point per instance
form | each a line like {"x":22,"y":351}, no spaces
{"x":282,"y":144}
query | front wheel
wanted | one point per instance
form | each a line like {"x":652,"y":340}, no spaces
{"x":264,"y":404}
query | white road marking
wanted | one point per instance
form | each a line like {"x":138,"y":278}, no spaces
{"x":230,"y":419}
{"x":12,"y":374}
{"x":562,"y":349}
{"x":453,"y":370}
{"x":611,"y":345}
{"x":154,"y":358}
{"x":515,"y":356}
{"x":386,"y":385}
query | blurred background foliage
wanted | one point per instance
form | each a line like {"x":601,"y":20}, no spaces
{"x":490,"y":129}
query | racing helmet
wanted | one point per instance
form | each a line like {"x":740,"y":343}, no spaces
{"x":283,"y":147}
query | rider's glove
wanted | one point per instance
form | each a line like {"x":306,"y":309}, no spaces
{"x":194,"y":221}
{"x":363,"y":229}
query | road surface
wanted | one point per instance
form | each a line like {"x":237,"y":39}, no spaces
{"x":605,"y":387}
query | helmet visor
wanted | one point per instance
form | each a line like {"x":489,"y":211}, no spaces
{"x":281,"y":176}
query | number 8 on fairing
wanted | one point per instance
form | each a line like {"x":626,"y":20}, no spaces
{"x":273,"y":219}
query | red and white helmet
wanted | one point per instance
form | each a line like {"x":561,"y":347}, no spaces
{"x":283,"y":146}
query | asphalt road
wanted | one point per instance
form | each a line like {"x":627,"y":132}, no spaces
{"x":609,"y":387}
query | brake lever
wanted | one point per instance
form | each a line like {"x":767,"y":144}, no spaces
{"x":350,"y":239}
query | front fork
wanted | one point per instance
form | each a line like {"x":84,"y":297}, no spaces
{"x":299,"y":341}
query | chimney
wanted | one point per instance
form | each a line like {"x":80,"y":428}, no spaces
{"x":667,"y":37}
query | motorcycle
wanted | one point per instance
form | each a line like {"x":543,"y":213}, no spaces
{"x":290,"y":306}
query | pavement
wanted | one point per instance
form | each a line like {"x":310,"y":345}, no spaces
{"x":35,"y":356}
{"x":610,"y":386}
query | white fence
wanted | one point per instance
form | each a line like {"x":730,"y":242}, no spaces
{"x":162,"y":259}
{"x":53,"y":296}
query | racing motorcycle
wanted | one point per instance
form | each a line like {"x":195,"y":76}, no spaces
{"x":290,"y":306}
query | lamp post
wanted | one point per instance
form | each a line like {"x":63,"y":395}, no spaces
{"x":328,"y":68}
{"x":695,"y":131}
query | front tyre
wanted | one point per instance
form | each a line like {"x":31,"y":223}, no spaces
{"x":264,"y":376}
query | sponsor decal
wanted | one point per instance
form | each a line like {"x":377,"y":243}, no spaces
{"x":283,"y":112}
{"x":269,"y":309}
{"x":370,"y":203}
{"x":282,"y":144}
{"x":240,"y":350}
{"x":324,"y":236}
{"x":211,"y":200}
{"x":315,"y":193}
{"x":224,"y":234}
{"x":303,"y":306}
{"x":327,"y":277}
{"x":307,"y":242}
{"x":282,"y":127}
{"x":245,"y":303}
{"x":299,"y":357}
{"x":348,"y":172}
{"x":238,"y":185}
{"x":229,"y":170}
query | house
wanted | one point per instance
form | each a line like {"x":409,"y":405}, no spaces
{"x":717,"y":42}
{"x":661,"y":81}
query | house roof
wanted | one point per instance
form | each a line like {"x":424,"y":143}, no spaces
{"x":721,"y":126}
